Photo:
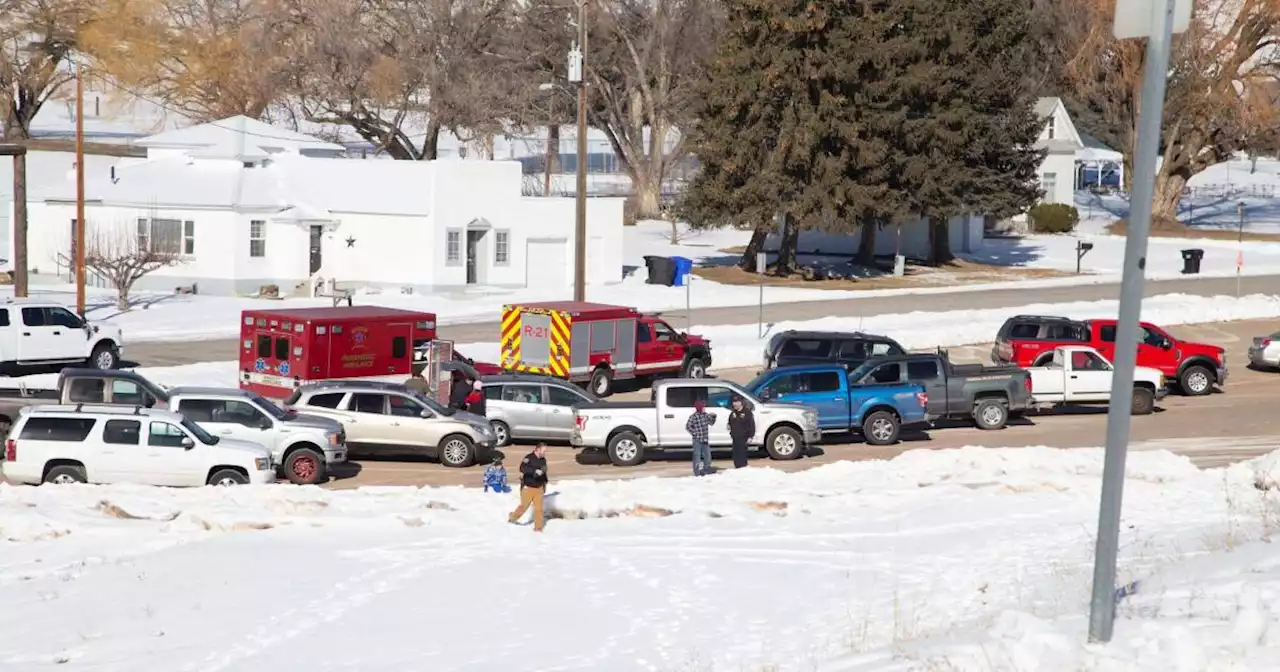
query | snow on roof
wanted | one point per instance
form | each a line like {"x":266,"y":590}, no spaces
{"x":1045,"y":106}
{"x":1095,"y":150}
{"x":50,"y":172}
{"x":235,"y":130}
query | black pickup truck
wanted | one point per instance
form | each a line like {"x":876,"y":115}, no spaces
{"x":987,"y":394}
{"x":82,"y":386}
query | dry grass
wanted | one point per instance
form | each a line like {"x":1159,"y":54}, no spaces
{"x":1170,"y":228}
{"x":959,"y":272}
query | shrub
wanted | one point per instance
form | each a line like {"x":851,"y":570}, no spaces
{"x":1054,"y":218}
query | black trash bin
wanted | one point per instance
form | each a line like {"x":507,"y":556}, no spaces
{"x":1191,"y":261}
{"x":662,"y":270}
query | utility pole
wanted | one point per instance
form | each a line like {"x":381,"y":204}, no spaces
{"x":577,"y":73}
{"x":19,"y":154}
{"x":1155,"y":20}
{"x":80,"y":307}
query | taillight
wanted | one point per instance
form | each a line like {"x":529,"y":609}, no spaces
{"x":923,"y":398}
{"x":580,"y":422}
{"x":11,"y":451}
{"x":1026,"y":382}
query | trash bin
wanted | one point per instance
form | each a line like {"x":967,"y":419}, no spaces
{"x":1191,"y":261}
{"x":683,"y":266}
{"x":662,"y":270}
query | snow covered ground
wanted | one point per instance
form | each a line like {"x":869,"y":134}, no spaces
{"x":736,"y":346}
{"x":970,"y":559}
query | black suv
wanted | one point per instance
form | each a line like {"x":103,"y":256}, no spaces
{"x":795,"y":348}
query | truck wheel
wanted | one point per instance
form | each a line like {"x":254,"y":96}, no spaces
{"x":881,"y":428}
{"x":626,"y":449}
{"x":227,"y":477}
{"x":304,"y":466}
{"x":1144,"y":401}
{"x":501,"y":433}
{"x":694,"y":367}
{"x":105,"y":357}
{"x":65,"y":474}
{"x":1196,"y":381}
{"x":784,"y":443}
{"x":457,"y":451}
{"x":990,"y":414}
{"x":602,"y":382}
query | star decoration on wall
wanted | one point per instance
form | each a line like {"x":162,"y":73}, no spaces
{"x":351,"y":241}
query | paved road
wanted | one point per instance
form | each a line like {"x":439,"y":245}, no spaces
{"x":170,"y":354}
{"x":1214,"y":430}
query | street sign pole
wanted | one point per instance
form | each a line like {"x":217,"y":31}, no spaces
{"x":761,"y":260}
{"x":1157,"y":25}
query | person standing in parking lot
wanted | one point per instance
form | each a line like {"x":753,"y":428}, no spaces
{"x":475,"y":400}
{"x":458,"y":391}
{"x":699,"y":427}
{"x":742,"y":426}
{"x":417,"y":382}
{"x":533,"y":485}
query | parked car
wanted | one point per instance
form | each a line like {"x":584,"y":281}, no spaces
{"x":1265,"y":351}
{"x":82,"y":386}
{"x":798,"y":348}
{"x":390,"y":419}
{"x":1029,"y":340}
{"x":1081,"y":375}
{"x":108,"y":444}
{"x":985,"y":394}
{"x":878,"y":412}
{"x":41,"y":333}
{"x":303,"y":446}
{"x":629,"y":430}
{"x":528,"y":407}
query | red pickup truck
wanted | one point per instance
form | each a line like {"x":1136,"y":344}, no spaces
{"x":1029,"y":340}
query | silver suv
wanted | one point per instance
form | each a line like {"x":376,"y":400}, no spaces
{"x":522,"y":407}
{"x":391,"y":419}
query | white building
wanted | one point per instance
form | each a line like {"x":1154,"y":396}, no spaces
{"x":245,"y":204}
{"x":1062,"y":142}
{"x":910,"y":240}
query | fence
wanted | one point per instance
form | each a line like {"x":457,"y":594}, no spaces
{"x":1230,"y":191}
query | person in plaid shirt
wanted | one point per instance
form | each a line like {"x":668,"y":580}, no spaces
{"x":699,"y":428}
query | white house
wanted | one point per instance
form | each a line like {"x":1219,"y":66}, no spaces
{"x":244,"y":204}
{"x":1062,"y":142}
{"x":910,"y":240}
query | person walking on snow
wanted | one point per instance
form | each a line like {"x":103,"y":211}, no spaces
{"x":475,"y":400}
{"x":699,"y":427}
{"x":533,"y":485}
{"x":742,"y":426}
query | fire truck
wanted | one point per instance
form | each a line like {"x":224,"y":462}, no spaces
{"x":597,"y":344}
{"x":284,"y":349}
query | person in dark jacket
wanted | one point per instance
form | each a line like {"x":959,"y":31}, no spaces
{"x":417,"y":382}
{"x":533,"y":485}
{"x":458,"y":391}
{"x":742,"y":426}
{"x":475,"y":400}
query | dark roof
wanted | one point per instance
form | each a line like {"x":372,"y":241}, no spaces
{"x":572,"y":306}
{"x":335,"y":313}
{"x":832,"y":334}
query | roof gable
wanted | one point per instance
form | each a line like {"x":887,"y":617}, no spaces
{"x":1059,"y":133}
{"x":236,"y":130}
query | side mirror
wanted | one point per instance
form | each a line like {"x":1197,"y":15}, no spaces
{"x":265,"y":424}
{"x":424,"y":413}
{"x":188,"y":443}
{"x":1166,"y":343}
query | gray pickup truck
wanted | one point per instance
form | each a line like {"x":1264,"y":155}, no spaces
{"x":304,"y":446}
{"x":988,"y":395}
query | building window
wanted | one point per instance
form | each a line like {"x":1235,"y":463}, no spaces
{"x":453,"y":247}
{"x":257,"y":238}
{"x":1052,"y":128}
{"x":167,"y":236}
{"x":502,"y":248}
{"x":1049,"y":183}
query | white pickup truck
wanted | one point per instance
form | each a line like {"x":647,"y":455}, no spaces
{"x":626,"y":430}
{"x":1079,"y":375}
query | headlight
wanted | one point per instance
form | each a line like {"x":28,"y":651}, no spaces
{"x":335,"y":439}
{"x":811,"y":418}
{"x":262,"y":463}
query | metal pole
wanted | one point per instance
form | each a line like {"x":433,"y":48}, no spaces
{"x":1239,"y":247}
{"x":1102,"y":604}
{"x":688,"y":302}
{"x":79,"y":190}
{"x":19,"y":154}
{"x":580,"y":236}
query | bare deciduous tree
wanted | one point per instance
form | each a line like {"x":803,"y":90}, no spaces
{"x":37,"y":37}
{"x":115,"y":253}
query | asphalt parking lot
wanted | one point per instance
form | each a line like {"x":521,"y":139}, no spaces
{"x":1224,"y":427}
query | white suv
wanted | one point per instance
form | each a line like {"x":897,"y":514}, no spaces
{"x":34,"y":332}
{"x":110,"y":444}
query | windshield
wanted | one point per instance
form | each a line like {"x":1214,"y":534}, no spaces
{"x":758,"y":382}
{"x":431,"y":403}
{"x":271,"y":408}
{"x":196,"y":430}
{"x":862,"y":371}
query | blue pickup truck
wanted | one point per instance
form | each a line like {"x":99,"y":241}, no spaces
{"x":878,"y":411}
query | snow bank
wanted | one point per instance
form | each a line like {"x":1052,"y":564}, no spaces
{"x":856,"y":566}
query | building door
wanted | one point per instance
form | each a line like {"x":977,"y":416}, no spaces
{"x":473,"y":243}
{"x":317,"y":232}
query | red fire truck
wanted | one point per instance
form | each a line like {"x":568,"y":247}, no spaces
{"x":283,"y":349}
{"x":597,"y":344}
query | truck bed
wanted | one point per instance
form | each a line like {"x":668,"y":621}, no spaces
{"x":978,"y":370}
{"x":29,"y":393}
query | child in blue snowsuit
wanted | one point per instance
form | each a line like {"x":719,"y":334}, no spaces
{"x":495,"y":477}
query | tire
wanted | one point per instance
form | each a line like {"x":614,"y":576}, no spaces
{"x":990,"y":414}
{"x":105,"y":357}
{"x":228,"y":477}
{"x":305,"y":466}
{"x":601,"y":383}
{"x":65,"y":474}
{"x":784,"y":443}
{"x":1144,"y":401}
{"x":502,"y":432}
{"x":694,"y":367}
{"x":625,"y":449}
{"x":881,"y":428}
{"x":457,"y":451}
{"x":1196,"y":381}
